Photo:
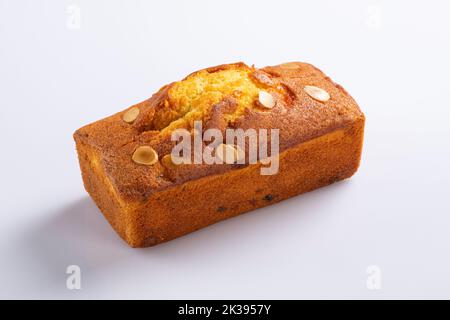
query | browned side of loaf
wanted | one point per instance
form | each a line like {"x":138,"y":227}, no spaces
{"x":320,"y":143}
{"x":196,"y":204}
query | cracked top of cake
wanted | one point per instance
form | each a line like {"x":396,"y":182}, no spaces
{"x":296,"y":98}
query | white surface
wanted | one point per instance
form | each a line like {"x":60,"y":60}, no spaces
{"x":392,"y":56}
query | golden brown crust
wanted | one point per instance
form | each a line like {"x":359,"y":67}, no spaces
{"x":299,"y":118}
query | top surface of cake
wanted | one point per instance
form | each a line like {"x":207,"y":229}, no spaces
{"x":226,"y":96}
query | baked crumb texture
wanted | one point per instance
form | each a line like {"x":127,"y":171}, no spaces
{"x":321,"y":134}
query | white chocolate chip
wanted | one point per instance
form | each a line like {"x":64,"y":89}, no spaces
{"x":317,"y":93}
{"x":229,"y":154}
{"x":131,"y":115}
{"x":145,"y":155}
{"x":266,"y":99}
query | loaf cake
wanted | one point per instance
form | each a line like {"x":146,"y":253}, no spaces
{"x":149,"y":196}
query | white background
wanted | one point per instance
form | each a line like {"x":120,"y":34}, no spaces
{"x":392,"y":56}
